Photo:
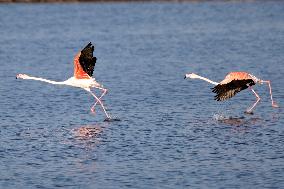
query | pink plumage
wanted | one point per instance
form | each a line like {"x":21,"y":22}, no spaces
{"x":84,"y":63}
{"x":233,"y":83}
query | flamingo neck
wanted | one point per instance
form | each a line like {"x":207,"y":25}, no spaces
{"x":208,"y":80}
{"x":47,"y":80}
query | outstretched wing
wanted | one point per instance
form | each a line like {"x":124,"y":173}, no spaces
{"x":87,"y":59}
{"x":228,"y":90}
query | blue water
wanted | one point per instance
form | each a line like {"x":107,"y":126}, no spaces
{"x":172,"y":134}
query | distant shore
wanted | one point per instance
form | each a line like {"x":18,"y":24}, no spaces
{"x":90,"y":1}
{"x":70,"y":1}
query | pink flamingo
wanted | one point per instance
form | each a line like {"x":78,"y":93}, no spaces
{"x":233,"y":83}
{"x":84,"y":63}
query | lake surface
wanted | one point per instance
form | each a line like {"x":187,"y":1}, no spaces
{"x":172,"y":133}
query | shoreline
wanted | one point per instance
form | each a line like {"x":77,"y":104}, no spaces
{"x":113,"y":1}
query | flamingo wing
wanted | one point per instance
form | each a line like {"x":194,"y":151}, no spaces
{"x":84,"y":63}
{"x":87,"y":59}
{"x":228,"y":90}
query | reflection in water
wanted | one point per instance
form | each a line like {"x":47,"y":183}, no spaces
{"x":165,"y":138}
{"x":86,"y":137}
{"x":87,"y":132}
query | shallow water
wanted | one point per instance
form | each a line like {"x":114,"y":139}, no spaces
{"x":172,"y":134}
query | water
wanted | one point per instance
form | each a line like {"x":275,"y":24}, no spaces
{"x":172,"y":134}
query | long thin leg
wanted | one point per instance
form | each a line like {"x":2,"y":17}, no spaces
{"x":98,"y":86}
{"x":104,"y":92}
{"x":257,"y":100}
{"x":274,"y":104}
{"x":98,"y":100}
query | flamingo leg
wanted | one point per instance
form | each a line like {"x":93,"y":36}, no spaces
{"x":104,"y":92}
{"x":274,"y":104}
{"x":249,"y":111}
{"x":99,"y":101}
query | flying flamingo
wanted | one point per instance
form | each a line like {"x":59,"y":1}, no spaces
{"x":84,"y":63}
{"x":233,"y":83}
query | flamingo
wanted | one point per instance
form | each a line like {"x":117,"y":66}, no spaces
{"x":233,"y":83}
{"x":84,"y":63}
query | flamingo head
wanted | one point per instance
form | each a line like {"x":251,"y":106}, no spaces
{"x":22,"y":76}
{"x":191,"y":76}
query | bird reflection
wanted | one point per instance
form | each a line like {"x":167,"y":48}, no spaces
{"x":87,"y":132}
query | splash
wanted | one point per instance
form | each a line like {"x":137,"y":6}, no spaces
{"x":219,"y":117}
{"x":237,"y":121}
{"x":112,"y":119}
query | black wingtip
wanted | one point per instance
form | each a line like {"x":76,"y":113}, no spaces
{"x":88,"y":45}
{"x":91,"y":45}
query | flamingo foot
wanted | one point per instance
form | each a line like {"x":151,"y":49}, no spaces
{"x":93,"y":111}
{"x":249,"y":112}
{"x":274,"y":105}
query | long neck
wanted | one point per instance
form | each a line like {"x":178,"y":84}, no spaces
{"x":46,"y":80}
{"x":208,"y":80}
{"x":195,"y":76}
